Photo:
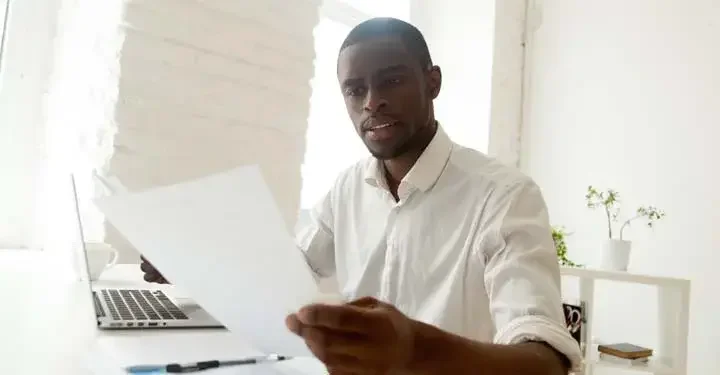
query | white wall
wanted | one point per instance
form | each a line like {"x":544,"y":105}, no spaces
{"x":200,"y":87}
{"x":79,"y":126}
{"x":626,"y":94}
{"x":508,"y":71}
{"x":23,"y":82}
{"x":460,"y":36}
{"x":479,"y":47}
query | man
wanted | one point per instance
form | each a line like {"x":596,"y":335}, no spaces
{"x":445,"y":254}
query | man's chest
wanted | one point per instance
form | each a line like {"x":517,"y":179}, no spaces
{"x":422,"y":240}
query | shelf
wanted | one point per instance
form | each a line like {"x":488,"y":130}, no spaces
{"x":673,"y":301}
{"x":588,"y":273}
{"x":654,"y":366}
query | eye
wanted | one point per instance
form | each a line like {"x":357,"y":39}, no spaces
{"x":393,"y":81}
{"x":354,"y":91}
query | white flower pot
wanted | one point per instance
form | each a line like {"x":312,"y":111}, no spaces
{"x":615,"y":255}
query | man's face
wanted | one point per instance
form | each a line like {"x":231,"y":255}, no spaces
{"x":387,"y":93}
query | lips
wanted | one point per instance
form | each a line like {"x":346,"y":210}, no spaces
{"x":375,"y":125}
{"x":381,"y":131}
{"x":380,"y":126}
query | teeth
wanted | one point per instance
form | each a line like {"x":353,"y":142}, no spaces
{"x":380,"y":126}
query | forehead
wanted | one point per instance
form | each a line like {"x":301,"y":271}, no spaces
{"x":370,"y":56}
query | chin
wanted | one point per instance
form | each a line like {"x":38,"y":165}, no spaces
{"x":387,"y":151}
{"x":385,"y":154}
{"x":381,"y":156}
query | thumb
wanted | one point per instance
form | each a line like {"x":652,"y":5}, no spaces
{"x":367,"y":302}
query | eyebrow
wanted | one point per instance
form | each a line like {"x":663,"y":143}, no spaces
{"x":392,"y":69}
{"x":380,"y":72}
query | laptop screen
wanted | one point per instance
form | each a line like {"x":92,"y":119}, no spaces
{"x":84,"y":266}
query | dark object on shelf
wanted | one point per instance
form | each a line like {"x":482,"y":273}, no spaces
{"x":625,"y":350}
{"x":575,"y":320}
{"x":624,"y":361}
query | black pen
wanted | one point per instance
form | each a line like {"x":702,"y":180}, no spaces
{"x":176,"y":368}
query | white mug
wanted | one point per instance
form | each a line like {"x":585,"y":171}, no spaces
{"x":100,"y":257}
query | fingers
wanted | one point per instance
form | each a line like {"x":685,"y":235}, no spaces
{"x":347,"y":338}
{"x":152,"y":275}
{"x":327,"y":343}
{"x":155,"y":278}
{"x":293,"y":324}
{"x":338,"y":371}
{"x":324,"y":341}
{"x":342,"y":352}
{"x":367,"y":302}
{"x":339,"y":364}
{"x":147,"y":267}
{"x":343,"y":317}
{"x":335,"y":371}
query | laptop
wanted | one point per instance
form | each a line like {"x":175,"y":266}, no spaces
{"x":143,"y":308}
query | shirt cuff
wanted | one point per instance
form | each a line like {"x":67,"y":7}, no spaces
{"x":540,"y":328}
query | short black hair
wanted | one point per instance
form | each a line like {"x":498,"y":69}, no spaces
{"x":408,"y":34}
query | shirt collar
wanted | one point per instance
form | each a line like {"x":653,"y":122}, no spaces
{"x":427,"y":168}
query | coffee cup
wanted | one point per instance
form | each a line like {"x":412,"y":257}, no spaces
{"x":100,"y":257}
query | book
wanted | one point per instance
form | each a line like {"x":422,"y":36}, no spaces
{"x":625,"y":350}
{"x":623,"y":361}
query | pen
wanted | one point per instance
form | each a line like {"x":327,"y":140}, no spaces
{"x":176,"y":368}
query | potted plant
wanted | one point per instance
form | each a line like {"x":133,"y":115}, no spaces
{"x":616,"y":250}
{"x":558,"y":236}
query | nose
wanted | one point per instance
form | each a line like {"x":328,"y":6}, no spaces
{"x":374,"y":102}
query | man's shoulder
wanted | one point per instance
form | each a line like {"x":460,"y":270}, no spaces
{"x":353,"y":174}
{"x":487,"y":170}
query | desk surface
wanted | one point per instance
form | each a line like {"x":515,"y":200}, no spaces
{"x":48,"y":325}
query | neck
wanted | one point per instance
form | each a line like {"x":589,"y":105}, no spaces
{"x":397,"y":168}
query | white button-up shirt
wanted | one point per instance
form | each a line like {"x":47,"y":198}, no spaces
{"x":467,"y":248}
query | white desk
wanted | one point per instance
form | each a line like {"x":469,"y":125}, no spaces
{"x":47,"y":324}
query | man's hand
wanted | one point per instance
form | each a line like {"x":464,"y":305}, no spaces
{"x":365,"y":336}
{"x":152,"y":275}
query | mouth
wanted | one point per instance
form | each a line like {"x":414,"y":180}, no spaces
{"x":379,"y":126}
{"x":375,"y":124}
{"x":381,"y":131}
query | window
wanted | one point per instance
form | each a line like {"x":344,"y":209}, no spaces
{"x":4,"y":7}
{"x":27,"y":32}
{"x":14,"y":226}
{"x":332,"y":144}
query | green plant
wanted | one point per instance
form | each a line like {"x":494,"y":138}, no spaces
{"x":650,"y":213}
{"x":609,"y":200}
{"x":558,"y":236}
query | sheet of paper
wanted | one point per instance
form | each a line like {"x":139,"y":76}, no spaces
{"x":111,"y":354}
{"x":222,"y":239}
{"x":111,"y":184}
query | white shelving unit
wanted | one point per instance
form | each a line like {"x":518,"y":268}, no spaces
{"x":670,"y":356}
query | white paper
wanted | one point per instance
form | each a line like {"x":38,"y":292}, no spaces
{"x":111,"y":184}
{"x":222,"y":239}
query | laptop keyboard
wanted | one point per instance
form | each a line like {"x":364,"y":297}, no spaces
{"x":133,"y":304}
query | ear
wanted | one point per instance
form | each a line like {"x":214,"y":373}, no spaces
{"x":434,"y":81}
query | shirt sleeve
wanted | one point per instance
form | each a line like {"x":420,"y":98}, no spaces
{"x":522,"y":275}
{"x":316,"y":240}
